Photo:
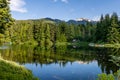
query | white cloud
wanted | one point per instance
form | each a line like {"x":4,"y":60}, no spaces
{"x":18,"y":6}
{"x":96,"y":18}
{"x":65,"y":1}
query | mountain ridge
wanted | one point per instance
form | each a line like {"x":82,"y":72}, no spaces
{"x":72,"y":21}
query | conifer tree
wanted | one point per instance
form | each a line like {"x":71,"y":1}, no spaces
{"x":5,"y":21}
{"x":71,"y":32}
{"x":113,"y":32}
{"x":108,"y":29}
{"x":47,"y":36}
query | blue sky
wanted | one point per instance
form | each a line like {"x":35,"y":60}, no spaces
{"x":63,"y":9}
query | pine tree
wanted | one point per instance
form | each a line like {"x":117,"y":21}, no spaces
{"x":99,"y":30}
{"x":71,"y":32}
{"x":77,"y":31}
{"x":113,"y":35}
{"x":5,"y":21}
{"x":38,"y":32}
{"x":83,"y":31}
{"x":107,"y":24}
{"x":48,"y":42}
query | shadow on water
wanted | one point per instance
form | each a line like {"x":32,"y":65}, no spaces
{"x":62,"y":55}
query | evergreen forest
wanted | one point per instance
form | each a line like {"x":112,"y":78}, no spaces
{"x":49,"y":33}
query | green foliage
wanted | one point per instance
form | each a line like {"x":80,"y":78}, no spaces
{"x":2,"y":38}
{"x":113,"y":36}
{"x":105,"y":77}
{"x":12,"y":71}
{"x":108,"y":29}
{"x":22,"y":32}
{"x":71,"y":31}
{"x":5,"y":21}
{"x":62,"y":38}
{"x":47,"y":36}
{"x":115,"y":76}
{"x":102,"y":77}
{"x":42,"y":33}
{"x":115,"y":59}
{"x":38,"y":32}
{"x":47,"y":33}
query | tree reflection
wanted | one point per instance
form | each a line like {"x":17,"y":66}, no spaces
{"x":104,"y":57}
{"x":62,"y":55}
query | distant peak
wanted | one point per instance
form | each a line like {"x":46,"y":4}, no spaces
{"x":83,"y":19}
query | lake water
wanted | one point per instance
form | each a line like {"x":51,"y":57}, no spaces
{"x":63,"y":62}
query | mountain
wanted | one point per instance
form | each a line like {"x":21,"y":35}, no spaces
{"x":54,"y":20}
{"x":77,"y":21}
{"x":81,"y":21}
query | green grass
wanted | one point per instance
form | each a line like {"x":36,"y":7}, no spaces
{"x":106,"y":45}
{"x":11,"y":71}
{"x":78,"y":43}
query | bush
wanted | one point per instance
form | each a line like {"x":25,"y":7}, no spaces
{"x":115,"y":76}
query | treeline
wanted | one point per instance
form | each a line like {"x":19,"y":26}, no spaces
{"x":46,"y":32}
{"x":108,"y":29}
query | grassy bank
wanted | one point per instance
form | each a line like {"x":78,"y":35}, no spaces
{"x":78,"y":43}
{"x":106,"y":45}
{"x":11,"y":71}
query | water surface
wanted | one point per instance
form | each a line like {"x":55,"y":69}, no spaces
{"x":63,"y":63}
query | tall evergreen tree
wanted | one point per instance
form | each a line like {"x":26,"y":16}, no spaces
{"x":5,"y":21}
{"x":47,"y":36}
{"x":107,"y":24}
{"x":113,"y":32}
{"x":99,"y":30}
{"x":71,"y":32}
{"x":38,"y":32}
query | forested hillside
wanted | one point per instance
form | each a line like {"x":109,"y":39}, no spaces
{"x":46,"y":32}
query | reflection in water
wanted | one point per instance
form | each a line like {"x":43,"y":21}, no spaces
{"x":64,"y":60}
{"x":104,"y":57}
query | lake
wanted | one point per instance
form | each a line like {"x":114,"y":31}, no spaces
{"x":64,"y":62}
